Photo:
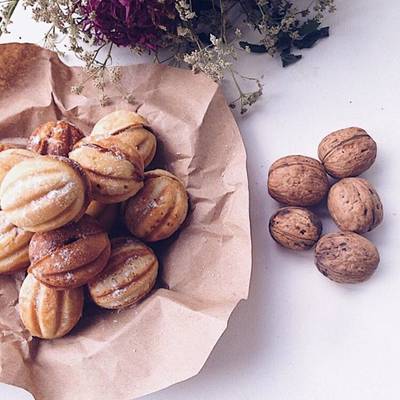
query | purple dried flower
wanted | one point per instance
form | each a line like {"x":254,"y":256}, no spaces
{"x":140,"y":23}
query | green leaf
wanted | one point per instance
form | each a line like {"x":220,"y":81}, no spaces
{"x":289,"y":58}
{"x":309,"y":40}
{"x":254,"y":48}
{"x":308,"y":27}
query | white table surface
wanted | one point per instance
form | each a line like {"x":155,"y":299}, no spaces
{"x":300,"y":336}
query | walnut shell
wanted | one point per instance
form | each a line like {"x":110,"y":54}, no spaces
{"x":115,"y":169}
{"x":70,"y":256}
{"x":346,"y":257}
{"x":131,"y":128}
{"x":44,"y":193}
{"x":295,"y":228}
{"x":104,"y":214}
{"x":297,"y":181}
{"x":355,"y":205}
{"x":11,"y":157}
{"x":48,"y":313}
{"x":347,"y":152}
{"x":54,"y":138}
{"x":129,"y":276}
{"x":159,"y":209}
{"x":14,"y":245}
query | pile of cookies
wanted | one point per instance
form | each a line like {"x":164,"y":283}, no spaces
{"x":61,"y":197}
{"x":353,"y":203}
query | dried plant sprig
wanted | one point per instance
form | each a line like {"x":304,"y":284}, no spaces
{"x":205,"y":35}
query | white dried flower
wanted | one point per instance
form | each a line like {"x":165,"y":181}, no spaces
{"x":77,"y":89}
{"x":185,"y":10}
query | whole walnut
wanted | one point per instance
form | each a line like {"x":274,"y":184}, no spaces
{"x":159,"y":209}
{"x":48,"y":313}
{"x":297,"y":181}
{"x":347,"y":152}
{"x":131,"y":128}
{"x":128,"y":277}
{"x":54,"y":138}
{"x":70,"y":256}
{"x":115,"y":169}
{"x":355,"y":205}
{"x":295,"y":228}
{"x":346,"y":257}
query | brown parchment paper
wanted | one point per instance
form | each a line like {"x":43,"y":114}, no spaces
{"x":205,"y":271}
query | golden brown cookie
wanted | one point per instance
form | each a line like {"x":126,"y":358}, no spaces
{"x":115,"y":169}
{"x":44,"y":193}
{"x":128,"y":277}
{"x":70,"y":256}
{"x":159,"y":209}
{"x":14,"y":246}
{"x":13,"y":142}
{"x":8,"y":146}
{"x":54,"y":138}
{"x":48,"y":313}
{"x":104,"y":214}
{"x":132,"y":129}
{"x":11,"y":157}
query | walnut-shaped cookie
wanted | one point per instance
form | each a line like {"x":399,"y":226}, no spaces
{"x":13,"y":142}
{"x":70,"y":256}
{"x":131,"y":128}
{"x":115,"y":169}
{"x":159,"y":209}
{"x":44,"y":193}
{"x":128,"y":277}
{"x":54,"y":138}
{"x":14,"y":246}
{"x":104,"y":214}
{"x":48,"y":313}
{"x":8,"y":146}
{"x":11,"y":157}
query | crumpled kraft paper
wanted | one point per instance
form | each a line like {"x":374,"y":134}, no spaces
{"x":205,"y":271}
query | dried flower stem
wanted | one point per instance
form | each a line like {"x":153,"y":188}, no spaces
{"x":203,"y":35}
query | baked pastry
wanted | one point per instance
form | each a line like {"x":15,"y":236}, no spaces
{"x":14,"y":142}
{"x":48,"y":313}
{"x":54,"y":138}
{"x":159,"y":209}
{"x":11,"y":157}
{"x":14,"y":245}
{"x":132,"y":129}
{"x":104,"y":214}
{"x":128,"y":277}
{"x":7,"y":146}
{"x":44,"y":193}
{"x":115,"y":169}
{"x":70,"y":256}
